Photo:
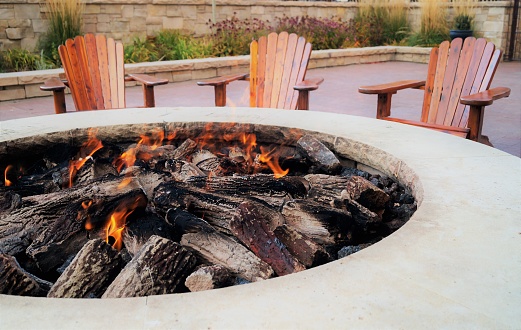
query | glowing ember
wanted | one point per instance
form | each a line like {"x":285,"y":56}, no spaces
{"x":87,"y":150}
{"x":88,"y":223}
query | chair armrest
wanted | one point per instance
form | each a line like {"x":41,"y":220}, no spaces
{"x":223,"y":80}
{"x":308,"y":84}
{"x":486,"y":97}
{"x":146,"y":79}
{"x":460,"y":131}
{"x":391,"y":87}
{"x":53,"y":84}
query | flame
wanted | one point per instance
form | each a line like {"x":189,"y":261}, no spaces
{"x":153,"y":141}
{"x":7,"y":182}
{"x":271,"y":158}
{"x":117,"y":221}
{"x":86,"y":151}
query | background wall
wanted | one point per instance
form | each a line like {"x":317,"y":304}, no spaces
{"x":23,"y":21}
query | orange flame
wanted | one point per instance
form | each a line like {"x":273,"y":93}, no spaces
{"x":7,"y":182}
{"x":271,"y":158}
{"x":87,"y":150}
{"x":129,"y":157}
{"x":117,"y":221}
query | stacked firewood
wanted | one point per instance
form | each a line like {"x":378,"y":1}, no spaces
{"x":194,"y":219}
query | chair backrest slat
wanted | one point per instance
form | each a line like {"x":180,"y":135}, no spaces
{"x":92,"y":57}
{"x":94,"y":66}
{"x":120,"y":73}
{"x":254,"y":64}
{"x":295,"y":68}
{"x":103,"y":65}
{"x":448,"y":80}
{"x":286,"y":87}
{"x":443,"y":57}
{"x":429,"y":83}
{"x":278,"y":63}
{"x":278,"y":68}
{"x":461,"y":73}
{"x":261,"y":71}
{"x":83,"y":67}
{"x":270,"y":68}
{"x":477,"y":54}
{"x":490,"y":62}
{"x":113,"y":75}
{"x":302,"y":69}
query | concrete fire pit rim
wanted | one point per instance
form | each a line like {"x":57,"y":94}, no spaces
{"x":415,"y":273}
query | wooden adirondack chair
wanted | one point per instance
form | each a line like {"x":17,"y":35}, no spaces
{"x":278,"y":65}
{"x":456,"y":91}
{"x":95,"y":74}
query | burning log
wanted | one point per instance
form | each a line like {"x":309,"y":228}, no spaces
{"x":51,"y":227}
{"x":9,"y":201}
{"x":90,"y":272}
{"x":318,"y":154}
{"x":213,"y":247}
{"x":158,"y":268}
{"x":252,"y":185}
{"x":325,"y":225}
{"x":307,"y":251}
{"x":208,"y":278}
{"x":252,"y":229}
{"x":21,"y":226}
{"x":140,"y":228}
{"x":16,"y":281}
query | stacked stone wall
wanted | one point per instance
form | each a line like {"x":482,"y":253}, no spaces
{"x":22,"y":22}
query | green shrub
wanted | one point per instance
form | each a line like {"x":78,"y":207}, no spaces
{"x":16,"y":60}
{"x":65,"y":21}
{"x":174,"y":45}
{"x":141,"y":51}
{"x":433,"y":27}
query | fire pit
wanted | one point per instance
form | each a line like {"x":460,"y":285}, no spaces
{"x":431,"y":266}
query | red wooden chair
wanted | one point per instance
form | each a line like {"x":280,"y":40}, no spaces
{"x":457,"y":89}
{"x":94,"y":68}
{"x":278,"y":65}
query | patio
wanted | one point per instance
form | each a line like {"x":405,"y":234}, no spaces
{"x":338,"y":94}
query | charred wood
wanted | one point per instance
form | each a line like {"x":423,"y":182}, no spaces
{"x":253,"y":229}
{"x":325,"y":225}
{"x":319,"y":154}
{"x":159,"y":268}
{"x":208,"y":278}
{"x":367,"y":194}
{"x":16,"y":281}
{"x":252,"y":185}
{"x":90,"y":272}
{"x":307,"y":251}
{"x":214,"y":247}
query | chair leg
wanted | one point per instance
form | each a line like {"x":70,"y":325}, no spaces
{"x":220,"y":95}
{"x":303,"y":100}
{"x":149,"y":98}
{"x":475,"y":122}
{"x":59,"y":101}
{"x":383,"y":108}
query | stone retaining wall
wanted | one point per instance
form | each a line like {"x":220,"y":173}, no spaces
{"x":20,"y":85}
{"x":22,"y":22}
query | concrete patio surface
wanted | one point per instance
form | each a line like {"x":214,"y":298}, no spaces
{"x":338,"y":94}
